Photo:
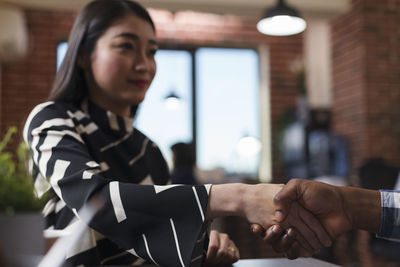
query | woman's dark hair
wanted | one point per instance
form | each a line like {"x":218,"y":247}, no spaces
{"x":69,"y":84}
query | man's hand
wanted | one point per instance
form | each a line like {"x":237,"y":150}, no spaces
{"x":256,"y":204}
{"x":326,"y":205}
{"x":324,"y":201}
{"x":299,"y":233}
{"x":310,"y":234}
{"x":339,"y":209}
{"x":221,"y":250}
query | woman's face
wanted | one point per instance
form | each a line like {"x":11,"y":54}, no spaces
{"x":122,"y":65}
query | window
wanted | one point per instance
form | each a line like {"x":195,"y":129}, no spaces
{"x":227,"y":108}
{"x":61,"y":50}
{"x":162,"y":124}
{"x":226,"y":101}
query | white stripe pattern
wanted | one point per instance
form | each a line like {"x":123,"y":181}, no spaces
{"x":85,"y":243}
{"x":198,"y":202}
{"x":60,"y":205}
{"x":47,"y":124}
{"x":396,"y":200}
{"x":113,"y":144}
{"x":145,"y":142}
{"x":46,"y":149}
{"x":104,"y":166}
{"x":75,"y":212}
{"x":133,"y":251}
{"x":59,"y":171}
{"x":88,"y":174}
{"x":92,"y":164}
{"x":51,"y":140}
{"x":148,"y":250}
{"x":112,"y":119}
{"x":49,"y":207}
{"x":41,"y":185}
{"x":33,"y":113}
{"x":88,"y":129}
{"x":160,"y":188}
{"x":128,"y":124}
{"x":396,"y":211}
{"x":178,"y":249}
{"x":113,"y":257}
{"x":147,"y":180}
{"x":117,"y":202}
{"x":77,"y":114}
{"x":138,"y":261}
{"x":197,"y":258}
{"x":208,"y":187}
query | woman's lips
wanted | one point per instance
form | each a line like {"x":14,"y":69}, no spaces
{"x":141,"y":83}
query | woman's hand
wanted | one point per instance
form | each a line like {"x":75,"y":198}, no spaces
{"x":221,"y":250}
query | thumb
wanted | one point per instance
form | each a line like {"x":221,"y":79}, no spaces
{"x":284,"y":198}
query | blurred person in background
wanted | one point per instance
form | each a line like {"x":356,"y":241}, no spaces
{"x":183,"y":171}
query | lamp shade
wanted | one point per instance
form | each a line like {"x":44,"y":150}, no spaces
{"x":281,"y":20}
{"x":172,"y":101}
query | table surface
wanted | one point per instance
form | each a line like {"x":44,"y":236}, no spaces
{"x":277,"y":262}
{"x":272,"y":262}
{"x":283,"y":262}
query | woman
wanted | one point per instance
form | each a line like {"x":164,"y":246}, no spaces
{"x":83,"y":145}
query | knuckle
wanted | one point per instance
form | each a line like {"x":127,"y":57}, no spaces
{"x":212,"y":248}
{"x":224,"y":236}
{"x":277,"y":198}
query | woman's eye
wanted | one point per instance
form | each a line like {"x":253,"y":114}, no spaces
{"x":152,"y":51}
{"x":126,"y":46}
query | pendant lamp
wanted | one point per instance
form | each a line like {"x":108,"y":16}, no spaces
{"x":172,"y":101}
{"x":281,"y":20}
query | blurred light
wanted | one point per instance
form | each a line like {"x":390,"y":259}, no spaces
{"x":248,"y":146}
{"x":172,"y":101}
{"x":281,"y":20}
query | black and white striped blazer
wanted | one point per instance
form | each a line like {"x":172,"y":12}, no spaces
{"x":81,"y":152}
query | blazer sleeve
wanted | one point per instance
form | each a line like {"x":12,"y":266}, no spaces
{"x":158,"y":223}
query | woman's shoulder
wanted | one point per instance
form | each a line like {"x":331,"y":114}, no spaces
{"x":48,"y":111}
{"x":52,"y":109}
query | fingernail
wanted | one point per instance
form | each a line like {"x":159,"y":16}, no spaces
{"x":290,"y":233}
{"x":252,"y":228}
{"x":275,"y":229}
{"x":278,"y":215}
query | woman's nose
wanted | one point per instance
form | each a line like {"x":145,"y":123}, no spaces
{"x":141,"y":62}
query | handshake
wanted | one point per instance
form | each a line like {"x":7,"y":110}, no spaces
{"x":301,"y":217}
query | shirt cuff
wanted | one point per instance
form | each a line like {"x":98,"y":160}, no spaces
{"x":390,"y":214}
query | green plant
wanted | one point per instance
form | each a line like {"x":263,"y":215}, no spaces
{"x":16,"y":188}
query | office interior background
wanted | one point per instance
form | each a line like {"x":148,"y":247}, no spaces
{"x":290,"y":94}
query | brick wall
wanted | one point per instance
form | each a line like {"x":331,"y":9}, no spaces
{"x":366,"y":80}
{"x":27,"y":83}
